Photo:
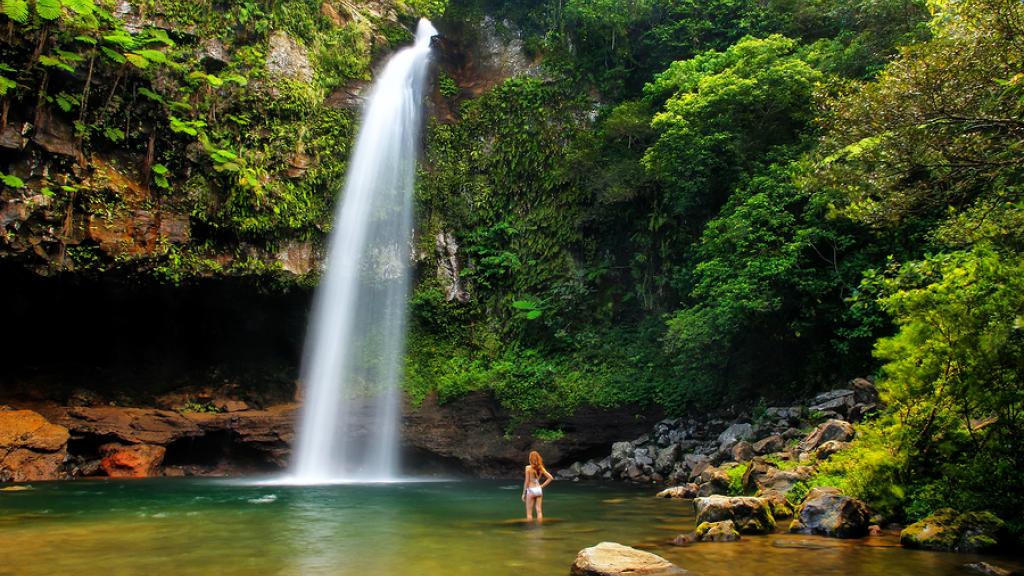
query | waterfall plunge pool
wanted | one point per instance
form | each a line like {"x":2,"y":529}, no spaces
{"x":212,"y":526}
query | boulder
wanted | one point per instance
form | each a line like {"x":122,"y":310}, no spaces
{"x":777,"y":502}
{"x":827,"y":512}
{"x":733,"y":434}
{"x":31,"y":448}
{"x":572,"y":472}
{"x":839,"y":430}
{"x":713,"y":481}
{"x":133,"y":461}
{"x":769,"y":445}
{"x":682,"y":491}
{"x":666,"y":459}
{"x":750,"y":515}
{"x":829,"y":448}
{"x":756,"y":470}
{"x":590,"y":470}
{"x":613,"y":559}
{"x":621,"y":451}
{"x":724,"y":531}
{"x":839,"y":401}
{"x":783,"y":480}
{"x":864,"y":392}
{"x":694,"y":462}
{"x":948,"y":530}
{"x":743,"y":451}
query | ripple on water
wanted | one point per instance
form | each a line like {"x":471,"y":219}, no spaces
{"x":263,"y":499}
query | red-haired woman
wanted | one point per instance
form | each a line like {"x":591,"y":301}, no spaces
{"x":533,"y":487}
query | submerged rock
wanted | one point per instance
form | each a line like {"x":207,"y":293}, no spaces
{"x":988,"y":569}
{"x":31,"y":448}
{"x":724,"y":531}
{"x":750,"y":515}
{"x":827,"y":512}
{"x":613,"y":559}
{"x":682,"y":491}
{"x":948,"y":530}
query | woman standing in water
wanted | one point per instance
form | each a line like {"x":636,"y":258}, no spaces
{"x":533,"y":488}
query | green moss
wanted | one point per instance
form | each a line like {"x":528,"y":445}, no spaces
{"x":548,"y":435}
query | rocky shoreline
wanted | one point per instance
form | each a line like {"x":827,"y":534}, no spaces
{"x":749,"y":475}
{"x":471,"y":437}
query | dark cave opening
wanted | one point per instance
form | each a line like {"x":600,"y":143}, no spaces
{"x":129,"y":339}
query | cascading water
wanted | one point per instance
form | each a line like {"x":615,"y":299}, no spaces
{"x":349,"y":428}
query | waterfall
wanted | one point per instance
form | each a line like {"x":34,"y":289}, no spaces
{"x":352,"y":360}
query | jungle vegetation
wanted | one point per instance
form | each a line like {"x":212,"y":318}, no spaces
{"x":685,"y":204}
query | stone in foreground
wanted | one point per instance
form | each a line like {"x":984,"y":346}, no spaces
{"x":750,"y":515}
{"x":827,"y":512}
{"x":613,"y":559}
{"x":948,"y":530}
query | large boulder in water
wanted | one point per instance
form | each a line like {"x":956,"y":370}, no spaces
{"x":948,"y":530}
{"x":613,"y":559}
{"x":750,"y":515}
{"x":31,"y":448}
{"x":724,"y":531}
{"x":827,"y":512}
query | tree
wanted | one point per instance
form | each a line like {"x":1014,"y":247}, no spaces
{"x":727,"y":114}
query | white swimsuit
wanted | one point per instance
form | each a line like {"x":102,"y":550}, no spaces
{"x":535,"y":491}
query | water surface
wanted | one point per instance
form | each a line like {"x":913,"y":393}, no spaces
{"x":205,"y":526}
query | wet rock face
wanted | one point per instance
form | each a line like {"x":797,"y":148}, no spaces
{"x":134,"y":461}
{"x":471,"y":435}
{"x":827,"y":512}
{"x":31,"y":448}
{"x":947,"y":530}
{"x":750,"y":515}
{"x":613,"y":559}
{"x":287,"y":59}
{"x":449,"y":268}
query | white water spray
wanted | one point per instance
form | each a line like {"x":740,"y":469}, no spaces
{"x":349,"y":431}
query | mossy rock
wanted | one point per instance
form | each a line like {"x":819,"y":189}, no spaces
{"x":724,"y":531}
{"x":948,"y":530}
{"x":827,"y":512}
{"x":750,"y":515}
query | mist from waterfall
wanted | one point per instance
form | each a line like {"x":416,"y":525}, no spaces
{"x":352,"y":364}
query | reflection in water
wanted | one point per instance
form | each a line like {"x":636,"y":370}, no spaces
{"x":186,"y":527}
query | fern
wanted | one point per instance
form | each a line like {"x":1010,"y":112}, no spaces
{"x":16,"y":10}
{"x":48,"y":9}
{"x":6,"y":84}
{"x":153,"y":55}
{"x":81,"y":7}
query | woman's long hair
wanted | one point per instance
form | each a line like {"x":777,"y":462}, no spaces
{"x":537,"y":463}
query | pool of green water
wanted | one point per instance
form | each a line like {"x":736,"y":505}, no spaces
{"x":206,"y":526}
